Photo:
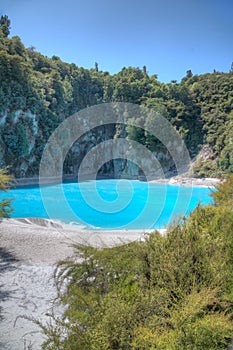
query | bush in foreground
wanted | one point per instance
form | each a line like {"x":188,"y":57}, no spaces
{"x":6,"y":181}
{"x":168,"y":292}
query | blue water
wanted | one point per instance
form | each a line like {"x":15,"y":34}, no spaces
{"x":108,"y":204}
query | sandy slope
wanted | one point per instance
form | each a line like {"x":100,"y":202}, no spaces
{"x":29,"y":250}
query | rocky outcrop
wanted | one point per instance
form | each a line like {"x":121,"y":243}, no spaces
{"x":110,"y":155}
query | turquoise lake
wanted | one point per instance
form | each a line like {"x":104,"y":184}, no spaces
{"x":108,"y":204}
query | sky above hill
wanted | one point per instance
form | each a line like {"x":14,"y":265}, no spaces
{"x":169,"y":37}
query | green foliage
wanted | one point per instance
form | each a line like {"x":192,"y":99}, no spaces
{"x":15,"y":139}
{"x":5,"y":25}
{"x":199,"y":107}
{"x":224,"y":193}
{"x":213,"y":93}
{"x":16,"y":47}
{"x":206,"y":168}
{"x":6,"y":181}
{"x":189,"y":326}
{"x":130,"y":84}
{"x":167,"y":292}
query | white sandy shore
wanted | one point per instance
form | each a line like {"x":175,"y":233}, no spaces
{"x":29,"y":251}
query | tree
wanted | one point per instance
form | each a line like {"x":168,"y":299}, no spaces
{"x":32,"y":48}
{"x":96,"y":67}
{"x":189,"y":74}
{"x":6,"y":181}
{"x":5,"y":25}
{"x":231,"y":70}
{"x":16,"y":46}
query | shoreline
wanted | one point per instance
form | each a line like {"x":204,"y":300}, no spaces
{"x":189,"y":181}
{"x":175,"y":180}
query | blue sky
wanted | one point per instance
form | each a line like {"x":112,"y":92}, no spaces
{"x":168,"y":36}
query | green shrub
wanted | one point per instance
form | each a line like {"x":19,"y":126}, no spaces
{"x":169,"y":292}
{"x":6,"y":181}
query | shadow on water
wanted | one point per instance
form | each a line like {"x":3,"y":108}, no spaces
{"x":7,"y":261}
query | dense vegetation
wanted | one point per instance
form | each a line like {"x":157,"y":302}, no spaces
{"x":167,"y":292}
{"x":37,"y":93}
{"x":6,"y":181}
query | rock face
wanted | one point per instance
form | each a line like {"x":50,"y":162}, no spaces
{"x":102,"y":151}
{"x":95,"y":144}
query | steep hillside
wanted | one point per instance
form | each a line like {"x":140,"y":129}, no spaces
{"x":37,"y":93}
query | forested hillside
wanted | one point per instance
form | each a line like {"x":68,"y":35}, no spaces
{"x":37,"y":93}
